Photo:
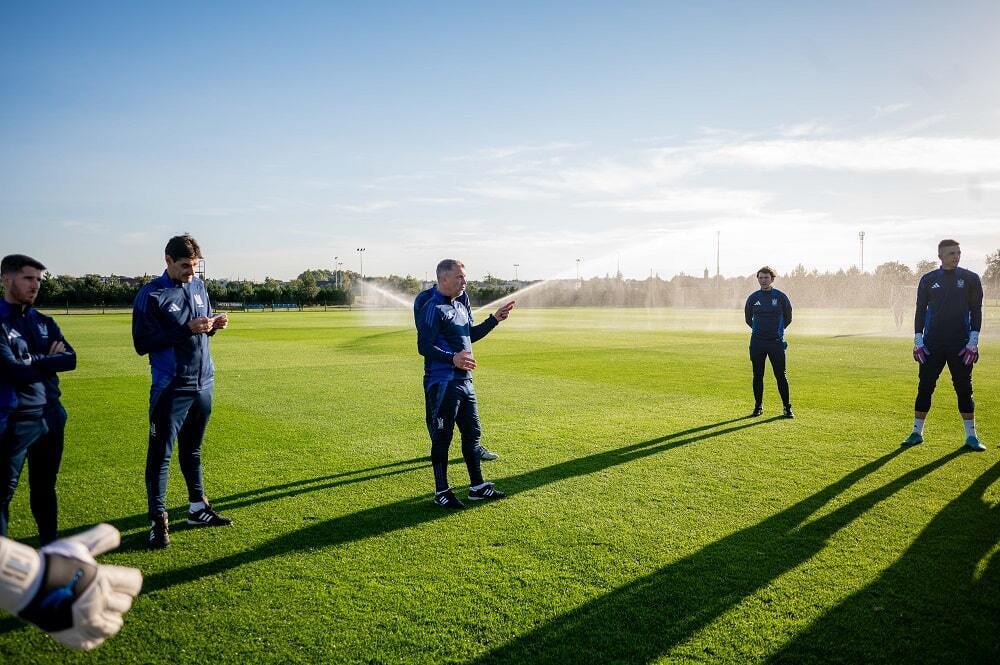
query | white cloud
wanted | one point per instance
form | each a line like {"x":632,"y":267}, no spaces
{"x":889,"y":109}
{"x":89,"y":228}
{"x":808,"y":128}
{"x":708,"y":200}
{"x":505,"y":152}
{"x":923,"y":154}
{"x":372,"y":206}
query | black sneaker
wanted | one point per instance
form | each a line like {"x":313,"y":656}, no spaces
{"x":159,"y":532}
{"x":787,"y":413}
{"x":486,"y":493}
{"x":447,"y":499}
{"x":207,"y":517}
{"x":757,"y":411}
{"x":487,"y":455}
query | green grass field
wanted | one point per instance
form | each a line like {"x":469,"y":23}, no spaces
{"x":647,"y":520}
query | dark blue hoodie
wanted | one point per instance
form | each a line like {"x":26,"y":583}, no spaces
{"x":444,"y":327}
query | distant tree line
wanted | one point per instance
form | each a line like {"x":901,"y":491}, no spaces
{"x":883,"y":287}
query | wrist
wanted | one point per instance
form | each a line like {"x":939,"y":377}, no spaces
{"x":918,"y":339}
{"x":973,"y":338}
{"x":21,"y":572}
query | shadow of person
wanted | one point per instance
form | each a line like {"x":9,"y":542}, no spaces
{"x":939,"y":602}
{"x":643,"y":620}
{"x":406,"y":513}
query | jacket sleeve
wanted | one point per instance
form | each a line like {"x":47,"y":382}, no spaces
{"x":13,"y":369}
{"x":55,"y":362}
{"x":477,"y":332}
{"x":427,"y":333}
{"x":748,"y":312}
{"x":786,"y":309}
{"x":148,"y":333}
{"x":918,"y":316}
{"x":976,"y":305}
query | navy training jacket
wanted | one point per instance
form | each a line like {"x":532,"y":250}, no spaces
{"x":768,"y":313}
{"x":444,"y":327}
{"x":949,"y":306}
{"x":40,"y":331}
{"x":177,"y":357}
{"x":16,"y":370}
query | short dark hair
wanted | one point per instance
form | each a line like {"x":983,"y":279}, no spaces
{"x":447,"y":265}
{"x":769,"y":270}
{"x":947,"y":242}
{"x":15,"y":263}
{"x":183,"y":247}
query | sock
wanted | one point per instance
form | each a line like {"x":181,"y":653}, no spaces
{"x":918,"y":426}
{"x":196,"y":506}
{"x":970,"y":427}
{"x":480,"y":486}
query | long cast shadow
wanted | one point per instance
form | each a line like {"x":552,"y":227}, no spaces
{"x":380,"y":520}
{"x":273,"y":492}
{"x":939,"y":602}
{"x":643,"y":620}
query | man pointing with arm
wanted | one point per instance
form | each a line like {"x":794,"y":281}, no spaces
{"x":445,"y":335}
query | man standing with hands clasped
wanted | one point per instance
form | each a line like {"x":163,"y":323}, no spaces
{"x":171,"y":322}
{"x":946,"y":327}
{"x":445,"y":335}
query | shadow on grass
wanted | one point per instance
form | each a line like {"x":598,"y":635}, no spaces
{"x":940,"y":602}
{"x":645,"y":619}
{"x":274,"y":492}
{"x":380,"y":520}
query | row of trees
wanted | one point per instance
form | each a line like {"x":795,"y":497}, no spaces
{"x":888,"y":283}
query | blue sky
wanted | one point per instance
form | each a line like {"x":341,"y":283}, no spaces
{"x":530,"y":133}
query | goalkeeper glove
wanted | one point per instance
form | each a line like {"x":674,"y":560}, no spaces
{"x":62,"y":589}
{"x":920,"y":352}
{"x":970,"y":354}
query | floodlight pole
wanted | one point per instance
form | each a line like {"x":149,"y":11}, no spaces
{"x":578,"y":270}
{"x":336,"y":272}
{"x":861,"y":236}
{"x":718,"y":243}
{"x":515,"y":271}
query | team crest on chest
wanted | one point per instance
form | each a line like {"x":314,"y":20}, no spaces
{"x":197,"y":300}
{"x":774,"y":302}
{"x":43,"y":330}
{"x":961,"y":283}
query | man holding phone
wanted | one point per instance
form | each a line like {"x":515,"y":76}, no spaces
{"x":171,"y":322}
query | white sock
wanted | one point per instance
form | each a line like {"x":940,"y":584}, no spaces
{"x":918,"y":426}
{"x":479,"y":487}
{"x":196,"y":506}
{"x":970,"y":427}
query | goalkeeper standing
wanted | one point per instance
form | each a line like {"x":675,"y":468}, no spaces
{"x":946,"y":332}
{"x":768,"y":312}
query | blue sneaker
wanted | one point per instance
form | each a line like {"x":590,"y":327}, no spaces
{"x":913,"y":440}
{"x":974,"y":444}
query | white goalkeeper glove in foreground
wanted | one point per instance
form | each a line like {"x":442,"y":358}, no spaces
{"x":63,"y":591}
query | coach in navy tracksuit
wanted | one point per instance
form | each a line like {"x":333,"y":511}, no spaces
{"x":172,"y":322}
{"x":50,"y":355}
{"x":947,"y":322}
{"x":444,"y":338}
{"x":768,"y":312}
{"x":22,"y":279}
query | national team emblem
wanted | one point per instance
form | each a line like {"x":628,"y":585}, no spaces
{"x":173,"y":307}
{"x":197,"y":300}
{"x":961,"y":283}
{"x":774,"y":302}
{"x":43,"y":330}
